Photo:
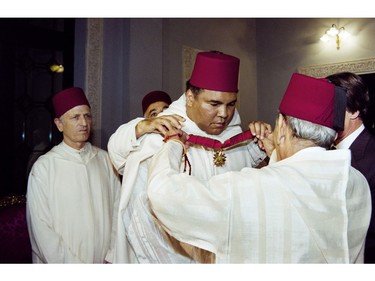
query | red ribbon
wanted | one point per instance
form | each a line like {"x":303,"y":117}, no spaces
{"x":215,"y":144}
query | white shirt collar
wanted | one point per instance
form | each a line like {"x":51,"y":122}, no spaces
{"x":347,"y":142}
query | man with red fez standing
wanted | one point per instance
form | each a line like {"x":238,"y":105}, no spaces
{"x":307,"y":206}
{"x":71,"y":190}
{"x":155,"y":102}
{"x":206,"y":111}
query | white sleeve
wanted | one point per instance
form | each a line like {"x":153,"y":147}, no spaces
{"x":115,"y":199}
{"x":193,"y":211}
{"x":122,"y":143}
{"x":256,"y":154}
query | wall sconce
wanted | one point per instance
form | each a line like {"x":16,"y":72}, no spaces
{"x":335,"y":33}
{"x":58,"y":68}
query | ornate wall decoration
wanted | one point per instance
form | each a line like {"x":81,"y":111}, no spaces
{"x":188,"y":59}
{"x":365,"y":68}
{"x":94,"y":65}
{"x":359,"y":67}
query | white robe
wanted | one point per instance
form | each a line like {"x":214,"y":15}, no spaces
{"x":131,"y":158}
{"x":312,"y":207}
{"x":70,"y":200}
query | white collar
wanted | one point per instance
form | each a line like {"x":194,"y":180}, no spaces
{"x":72,"y":150}
{"x":347,"y":142}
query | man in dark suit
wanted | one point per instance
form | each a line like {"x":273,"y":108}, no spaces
{"x":359,"y":140}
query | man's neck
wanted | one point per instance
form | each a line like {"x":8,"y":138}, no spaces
{"x":74,"y":145}
{"x":353,"y":126}
{"x":349,"y":139}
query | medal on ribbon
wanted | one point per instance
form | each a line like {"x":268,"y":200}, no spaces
{"x":219,"y":158}
{"x":218,"y":147}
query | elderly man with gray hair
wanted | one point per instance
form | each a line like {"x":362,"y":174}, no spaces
{"x":307,"y":206}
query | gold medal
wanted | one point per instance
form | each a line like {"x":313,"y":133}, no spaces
{"x":219,"y":158}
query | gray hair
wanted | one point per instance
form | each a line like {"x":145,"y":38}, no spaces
{"x":320,"y":135}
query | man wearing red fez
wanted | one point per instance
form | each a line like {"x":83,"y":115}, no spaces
{"x":307,"y":206}
{"x":155,"y":102}
{"x":207,"y":112}
{"x":71,"y":190}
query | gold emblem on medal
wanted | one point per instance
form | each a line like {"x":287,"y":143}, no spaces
{"x":219,"y":158}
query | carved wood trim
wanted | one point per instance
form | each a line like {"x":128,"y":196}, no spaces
{"x":94,"y":66}
{"x":358,"y":66}
{"x":188,"y":59}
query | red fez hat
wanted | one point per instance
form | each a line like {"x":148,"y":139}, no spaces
{"x":314,"y":100}
{"x":67,"y":99}
{"x":155,"y":96}
{"x":215,"y":71}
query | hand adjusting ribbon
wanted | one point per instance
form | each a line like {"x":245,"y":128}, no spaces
{"x":219,"y":147}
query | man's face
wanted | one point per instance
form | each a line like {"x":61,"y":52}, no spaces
{"x":155,"y":108}
{"x":75,"y":125}
{"x":212,"y":111}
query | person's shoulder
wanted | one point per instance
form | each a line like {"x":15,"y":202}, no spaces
{"x":96,"y":149}
{"x":102,"y":153}
{"x":359,"y":178}
{"x":371,"y":136}
{"x":368,"y":138}
{"x":53,"y":152}
{"x":44,"y":161}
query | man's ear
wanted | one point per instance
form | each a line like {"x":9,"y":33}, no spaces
{"x":281,"y":128}
{"x":189,"y":98}
{"x":354,"y":115}
{"x":58,"y":124}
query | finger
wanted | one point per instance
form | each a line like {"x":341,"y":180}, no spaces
{"x":179,"y":117}
{"x":162,"y":130}
{"x":269,"y":136}
{"x":169,"y":125}
{"x":263,"y":130}
{"x":175,"y":121}
{"x":252,"y":128}
{"x":258,"y":129}
{"x":268,"y":129}
{"x":165,"y":125}
{"x":185,"y":135}
{"x":260,"y":144}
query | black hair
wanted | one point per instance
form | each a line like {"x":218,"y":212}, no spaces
{"x":357,"y":92}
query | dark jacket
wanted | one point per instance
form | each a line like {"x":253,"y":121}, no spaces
{"x":363,"y":159}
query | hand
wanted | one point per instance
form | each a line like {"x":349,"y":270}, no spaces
{"x":177,"y":135}
{"x":161,"y":125}
{"x":181,"y":137}
{"x":262,"y":133}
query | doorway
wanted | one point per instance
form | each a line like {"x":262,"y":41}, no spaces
{"x":28,"y":49}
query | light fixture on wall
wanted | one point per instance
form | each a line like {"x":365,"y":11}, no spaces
{"x":57,"y":68}
{"x":335,"y":33}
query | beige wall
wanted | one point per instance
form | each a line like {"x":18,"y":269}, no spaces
{"x":232,"y":36}
{"x":145,"y":54}
{"x":270,"y":51}
{"x":284,"y":45}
